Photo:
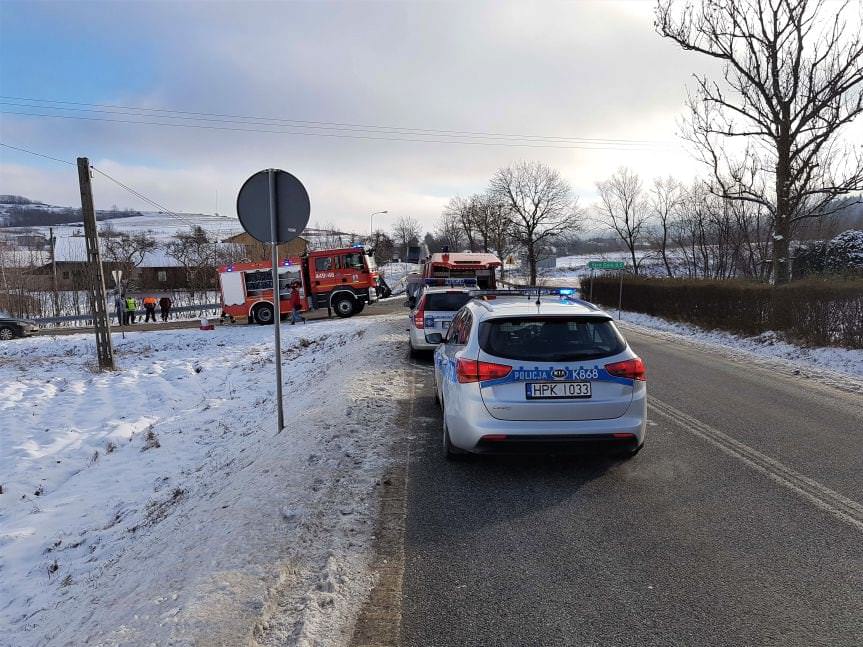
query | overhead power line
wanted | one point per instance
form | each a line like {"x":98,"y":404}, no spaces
{"x":25,"y":150}
{"x":141,"y":196}
{"x":134,"y":192}
{"x":340,"y":136}
{"x":51,"y":104}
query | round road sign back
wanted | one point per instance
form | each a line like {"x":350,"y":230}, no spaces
{"x":292,"y":207}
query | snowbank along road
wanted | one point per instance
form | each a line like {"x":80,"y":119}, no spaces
{"x":156,"y":504}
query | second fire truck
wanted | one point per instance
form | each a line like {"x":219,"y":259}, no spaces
{"x":344,"y":280}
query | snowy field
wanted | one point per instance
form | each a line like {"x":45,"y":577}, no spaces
{"x":161,"y":226}
{"x":156,"y":504}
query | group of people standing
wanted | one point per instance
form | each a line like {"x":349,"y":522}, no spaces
{"x":127,"y":308}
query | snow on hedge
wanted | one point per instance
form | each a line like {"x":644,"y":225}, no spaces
{"x":839,"y":255}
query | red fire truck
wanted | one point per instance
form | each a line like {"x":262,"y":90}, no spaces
{"x":463,"y":265}
{"x":454,"y":265}
{"x":342,"y":279}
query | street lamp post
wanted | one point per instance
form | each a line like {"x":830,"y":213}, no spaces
{"x":372,"y":221}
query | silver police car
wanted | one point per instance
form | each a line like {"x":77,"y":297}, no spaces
{"x":436,"y":305}
{"x":520,"y":372}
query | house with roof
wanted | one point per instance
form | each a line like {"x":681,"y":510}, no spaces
{"x":157,"y":270}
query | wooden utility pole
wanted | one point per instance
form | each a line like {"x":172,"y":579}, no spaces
{"x":98,"y":298}
{"x":55,"y":294}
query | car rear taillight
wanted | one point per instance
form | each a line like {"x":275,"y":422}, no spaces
{"x":419,"y":316}
{"x":632,"y":369}
{"x":471,"y":370}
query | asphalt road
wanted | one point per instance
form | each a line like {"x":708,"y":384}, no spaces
{"x":740,"y":523}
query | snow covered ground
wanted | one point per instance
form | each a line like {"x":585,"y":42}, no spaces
{"x":836,"y":361}
{"x":157,"y":505}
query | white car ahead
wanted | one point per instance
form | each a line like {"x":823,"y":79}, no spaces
{"x":515,"y":373}
{"x":434,"y":311}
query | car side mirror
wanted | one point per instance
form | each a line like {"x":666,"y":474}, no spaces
{"x":434,"y":338}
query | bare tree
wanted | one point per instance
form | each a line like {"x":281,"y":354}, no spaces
{"x":125,"y":251}
{"x":449,"y":229}
{"x":199,"y":255}
{"x":484,"y":209}
{"x":500,"y":232}
{"x":793,"y":73}
{"x":665,"y":195}
{"x":623,"y":208}
{"x":460,"y":210}
{"x":406,"y":232}
{"x":383,"y":247}
{"x":541,"y":204}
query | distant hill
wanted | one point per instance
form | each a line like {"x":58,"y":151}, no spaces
{"x":18,"y":211}
{"x":17,"y":199}
{"x":21,"y":217}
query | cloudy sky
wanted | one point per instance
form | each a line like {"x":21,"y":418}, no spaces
{"x":585,"y":69}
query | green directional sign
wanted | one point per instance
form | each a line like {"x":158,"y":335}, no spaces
{"x":606,"y":265}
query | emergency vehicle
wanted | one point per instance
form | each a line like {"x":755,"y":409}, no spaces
{"x":343,"y":279}
{"x":435,"y":308}
{"x":516,"y":372}
{"x":463,"y":265}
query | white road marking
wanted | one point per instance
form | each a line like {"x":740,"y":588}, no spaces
{"x":819,"y":495}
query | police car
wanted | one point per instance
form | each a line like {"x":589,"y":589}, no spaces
{"x":436,"y":305}
{"x":538,"y":370}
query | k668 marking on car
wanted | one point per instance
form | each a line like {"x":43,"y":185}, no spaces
{"x":516,"y":372}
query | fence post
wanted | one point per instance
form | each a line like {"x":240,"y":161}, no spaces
{"x":620,"y":297}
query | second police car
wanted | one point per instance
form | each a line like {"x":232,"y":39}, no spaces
{"x":435,"y":307}
{"x":519,"y":372}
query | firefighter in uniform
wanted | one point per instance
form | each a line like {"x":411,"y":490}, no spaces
{"x":150,"y":309}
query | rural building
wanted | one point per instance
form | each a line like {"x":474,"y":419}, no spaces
{"x":254,"y":250}
{"x":157,"y":270}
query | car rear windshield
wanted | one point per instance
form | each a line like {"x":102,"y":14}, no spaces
{"x":550,"y":339}
{"x":446,"y":301}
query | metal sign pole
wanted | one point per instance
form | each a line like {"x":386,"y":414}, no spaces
{"x":620,"y":297}
{"x":591,"y":285}
{"x":277,"y":301}
{"x":274,"y":208}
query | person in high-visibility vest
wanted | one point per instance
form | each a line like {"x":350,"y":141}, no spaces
{"x":150,"y":308}
{"x":131,"y":306}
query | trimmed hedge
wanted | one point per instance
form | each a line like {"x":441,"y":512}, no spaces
{"x":813,"y":312}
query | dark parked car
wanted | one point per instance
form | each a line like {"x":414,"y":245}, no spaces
{"x":11,"y":327}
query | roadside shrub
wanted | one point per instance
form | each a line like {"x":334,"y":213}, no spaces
{"x":842,"y":255}
{"x":812,"y":312}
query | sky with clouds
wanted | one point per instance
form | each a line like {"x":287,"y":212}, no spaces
{"x":587,"y":69}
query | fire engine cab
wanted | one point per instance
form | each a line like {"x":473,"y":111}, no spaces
{"x":463,"y":265}
{"x":343,"y":279}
